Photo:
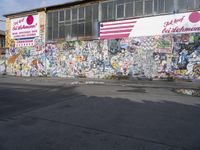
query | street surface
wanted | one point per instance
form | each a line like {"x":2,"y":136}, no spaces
{"x":67,"y":114}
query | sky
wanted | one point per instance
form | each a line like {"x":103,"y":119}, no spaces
{"x":10,"y":6}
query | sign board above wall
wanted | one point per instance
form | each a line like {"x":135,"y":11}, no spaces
{"x":151,"y":26}
{"x":24,"y":43}
{"x":25,"y":27}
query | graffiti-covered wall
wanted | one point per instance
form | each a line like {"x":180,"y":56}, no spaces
{"x":171,"y":49}
{"x":83,"y":59}
{"x":186,"y":56}
{"x":167,"y":56}
{"x":67,"y":59}
{"x":151,"y":57}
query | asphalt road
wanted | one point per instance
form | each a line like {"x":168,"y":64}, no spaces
{"x":37,"y":115}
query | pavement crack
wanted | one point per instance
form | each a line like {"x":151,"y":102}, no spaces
{"x":110,"y":132}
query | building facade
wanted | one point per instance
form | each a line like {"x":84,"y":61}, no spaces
{"x":103,"y":39}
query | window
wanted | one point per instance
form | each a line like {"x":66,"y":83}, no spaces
{"x":182,"y":5}
{"x":161,"y":6}
{"x":95,"y":12}
{"x":74,"y":30}
{"x":92,"y":15}
{"x":95,"y":20}
{"x":88,"y":13}
{"x":95,"y":29}
{"x":155,"y":6}
{"x":197,"y":4}
{"x":108,"y":11}
{"x":148,"y":7}
{"x":49,"y":29}
{"x":129,"y":8}
{"x":124,"y":8}
{"x":88,"y":29}
{"x":120,"y":8}
{"x":104,"y":14}
{"x":88,"y":24}
{"x":138,"y":7}
{"x":81,"y":15}
{"x":73,"y":23}
{"x":81,"y":29}
{"x":74,"y":14}
{"x":191,"y":4}
{"x":81,"y":22}
{"x":111,"y":10}
{"x":61,"y":15}
{"x":68,"y":26}
{"x":120,"y":11}
{"x":61,"y":30}
{"x":68,"y":31}
{"x":61,"y":25}
{"x":55,"y":25}
{"x":169,"y":5}
{"x":68,"y":15}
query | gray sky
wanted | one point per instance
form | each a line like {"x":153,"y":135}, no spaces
{"x":9,"y":6}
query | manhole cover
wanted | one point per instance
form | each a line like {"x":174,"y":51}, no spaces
{"x":190,"y":92}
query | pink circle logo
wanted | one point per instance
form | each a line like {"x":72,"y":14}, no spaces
{"x":29,"y":19}
{"x":194,"y":17}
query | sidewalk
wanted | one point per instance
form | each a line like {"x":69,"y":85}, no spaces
{"x":47,"y":81}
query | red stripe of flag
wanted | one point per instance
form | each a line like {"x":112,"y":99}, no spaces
{"x":120,"y":23}
{"x":118,"y":31}
{"x":130,"y":26}
{"x":114,"y":36}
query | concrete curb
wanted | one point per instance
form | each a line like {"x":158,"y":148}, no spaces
{"x":79,"y":81}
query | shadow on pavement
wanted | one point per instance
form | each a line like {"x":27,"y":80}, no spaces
{"x":47,"y":118}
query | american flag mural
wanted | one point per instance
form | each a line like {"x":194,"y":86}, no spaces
{"x":116,"y":29}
